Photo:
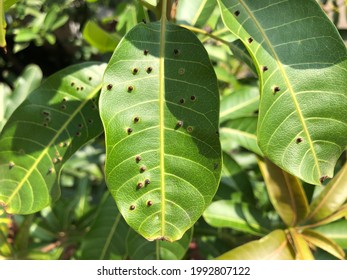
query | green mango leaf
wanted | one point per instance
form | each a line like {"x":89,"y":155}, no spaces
{"x":99,"y":38}
{"x":9,"y":3}
{"x":238,"y":216}
{"x":274,"y":246}
{"x":29,"y":80}
{"x":242,"y":131}
{"x":241,"y":103}
{"x":111,"y":238}
{"x":286,"y":193}
{"x":301,"y":62}
{"x":2,"y":26}
{"x":324,"y":243}
{"x":46,"y":129}
{"x":331,"y":198}
{"x":159,"y":106}
{"x":336,"y":231}
{"x":301,"y":247}
{"x":195,"y":13}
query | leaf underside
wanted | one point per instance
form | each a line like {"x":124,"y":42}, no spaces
{"x":159,"y":106}
{"x":46,"y":129}
{"x":302,"y":66}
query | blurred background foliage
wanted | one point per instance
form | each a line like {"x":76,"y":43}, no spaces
{"x":44,"y":36}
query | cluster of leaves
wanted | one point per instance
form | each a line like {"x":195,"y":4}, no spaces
{"x":255,"y":198}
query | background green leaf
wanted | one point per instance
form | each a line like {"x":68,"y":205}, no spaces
{"x":238,"y":216}
{"x":194,"y":13}
{"x":274,"y":246}
{"x":333,"y":196}
{"x":336,"y":231}
{"x":302,"y":121}
{"x":286,"y":193}
{"x":50,"y":125}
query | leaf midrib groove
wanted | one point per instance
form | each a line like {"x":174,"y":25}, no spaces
{"x":45,"y":151}
{"x":290,"y":89}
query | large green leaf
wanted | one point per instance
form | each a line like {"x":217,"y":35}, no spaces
{"x":331,"y":198}
{"x":286,"y":193}
{"x":111,"y":238}
{"x":238,"y":216}
{"x":159,"y":106}
{"x":46,"y":129}
{"x":301,"y":247}
{"x":301,"y":62}
{"x":274,"y":246}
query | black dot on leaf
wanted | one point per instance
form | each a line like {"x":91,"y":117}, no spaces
{"x":135,"y":71}
{"x":72,"y":84}
{"x":190,"y":129}
{"x":299,"y":140}
{"x":323,"y":178}
{"x":90,"y":121}
{"x":139,"y":185}
{"x":142,"y":169}
{"x":250,"y":40}
{"x":265,"y":68}
{"x":109,"y":86}
{"x":179,"y":124}
{"x":129,"y":130}
{"x":144,"y":21}
{"x":138,"y":159}
{"x":136,"y":119}
{"x":193,"y":98}
{"x":132,"y":207}
{"x":78,"y":134}
{"x":237,"y":13}
{"x":149,"y":203}
{"x":176,"y":51}
{"x":276,"y":89}
{"x":11,"y":164}
{"x":90,"y":78}
{"x":146,"y":52}
{"x":182,"y":100}
{"x":130,"y":88}
{"x":147,"y":181}
{"x":63,"y":107}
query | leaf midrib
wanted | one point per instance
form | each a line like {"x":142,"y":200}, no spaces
{"x":45,"y":151}
{"x":161,"y":109}
{"x":290,"y":89}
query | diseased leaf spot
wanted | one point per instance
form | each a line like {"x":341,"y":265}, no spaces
{"x":78,"y":88}
{"x":90,"y":78}
{"x":182,"y":100}
{"x":54,"y":160}
{"x":138,"y":159}
{"x":139,"y":185}
{"x":50,"y":170}
{"x":179,"y":124}
{"x":190,"y":129}
{"x":78,"y":134}
{"x":11,"y":165}
{"x":276,"y":89}
{"x":135,"y":71}
{"x":181,"y":71}
{"x":149,"y":70}
{"x":47,"y":119}
{"x":149,"y":203}
{"x":46,"y":113}
{"x":323,"y":178}
{"x":147,"y":181}
{"x":132,"y":207}
{"x":80,"y":125}
{"x":129,"y":130}
{"x":193,"y":98}
{"x":142,"y":169}
{"x":250,"y":40}
{"x":90,"y":121}
{"x":64,"y":99}
{"x":265,"y":68}
{"x":256,"y":112}
{"x":146,"y":52}
{"x":176,"y":51}
{"x":136,"y":119}
{"x":82,"y":88}
{"x":299,"y":140}
{"x":109,"y":86}
{"x":72,"y":84}
{"x":130,"y":88}
{"x":45,"y":124}
{"x":237,"y":13}
{"x":63,"y":107}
